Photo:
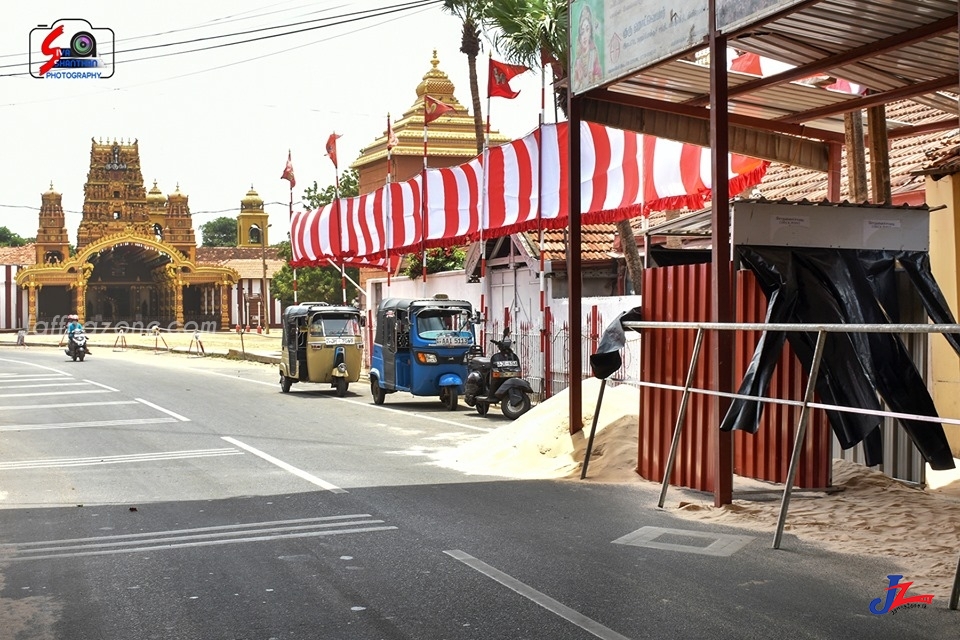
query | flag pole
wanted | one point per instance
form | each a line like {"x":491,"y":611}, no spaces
{"x":483,"y":215}
{"x":294,"y":269}
{"x":387,"y":211}
{"x":343,"y":273}
{"x":423,"y":203}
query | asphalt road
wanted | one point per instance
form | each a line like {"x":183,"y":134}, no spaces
{"x":164,"y":496}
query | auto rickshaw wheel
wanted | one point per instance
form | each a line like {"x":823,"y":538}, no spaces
{"x":517,"y":409}
{"x":285,"y":383}
{"x":449,"y":398}
{"x":483,"y":408}
{"x":341,"y":385}
{"x":379,"y":395}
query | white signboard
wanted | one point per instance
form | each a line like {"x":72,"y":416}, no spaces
{"x":610,"y":39}
{"x":733,"y":14}
{"x":841,"y":227}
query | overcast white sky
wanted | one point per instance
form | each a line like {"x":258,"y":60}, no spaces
{"x":218,"y":121}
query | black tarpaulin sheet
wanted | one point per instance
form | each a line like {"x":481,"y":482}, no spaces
{"x":846,"y":286}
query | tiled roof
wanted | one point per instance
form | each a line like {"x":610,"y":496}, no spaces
{"x":221,"y":255}
{"x":907,"y":156}
{"x":20,"y":256}
{"x":596,"y":244}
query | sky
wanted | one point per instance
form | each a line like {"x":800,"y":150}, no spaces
{"x":218,"y":121}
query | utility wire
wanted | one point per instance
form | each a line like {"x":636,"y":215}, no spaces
{"x":341,"y":19}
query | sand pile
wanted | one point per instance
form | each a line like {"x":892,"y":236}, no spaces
{"x":538,"y":444}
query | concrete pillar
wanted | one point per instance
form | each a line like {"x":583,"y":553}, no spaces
{"x":944,"y":252}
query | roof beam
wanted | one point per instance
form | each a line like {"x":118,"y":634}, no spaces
{"x":869,"y":50}
{"x":637,"y":114}
{"x":874,"y":99}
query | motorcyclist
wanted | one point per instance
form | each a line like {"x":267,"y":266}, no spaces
{"x":72,"y":327}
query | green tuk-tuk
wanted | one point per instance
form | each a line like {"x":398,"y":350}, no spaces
{"x":322,"y":343}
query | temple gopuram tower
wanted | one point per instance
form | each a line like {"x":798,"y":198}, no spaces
{"x":452,"y":138}
{"x":114,"y":197}
{"x":53,"y":243}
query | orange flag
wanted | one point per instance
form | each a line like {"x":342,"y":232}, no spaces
{"x":498,"y":84}
{"x":433,"y":109}
{"x":332,"y":148}
{"x":288,"y":172}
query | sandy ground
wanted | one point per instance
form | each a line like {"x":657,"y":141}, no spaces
{"x":870,"y":514}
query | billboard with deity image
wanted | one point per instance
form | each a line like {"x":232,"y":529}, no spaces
{"x":610,"y":39}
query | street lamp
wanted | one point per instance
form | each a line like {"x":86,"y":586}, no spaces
{"x":264,"y":293}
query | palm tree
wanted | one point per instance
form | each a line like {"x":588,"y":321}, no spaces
{"x":529,"y":32}
{"x":471,"y":14}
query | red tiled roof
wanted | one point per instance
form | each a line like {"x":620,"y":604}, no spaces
{"x":596,"y":244}
{"x":907,"y":156}
{"x":222,"y":255}
{"x":20,"y":256}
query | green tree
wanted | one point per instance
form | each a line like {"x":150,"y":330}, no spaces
{"x":10,"y":239}
{"x":314,"y":198}
{"x":441,"y":259}
{"x":471,"y":14}
{"x":316,"y":284}
{"x":219,"y":232}
{"x":529,"y":31}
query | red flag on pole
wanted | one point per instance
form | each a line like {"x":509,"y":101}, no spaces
{"x":433,"y":109}
{"x":332,"y":148}
{"x":288,"y":172}
{"x":498,"y":84}
{"x":392,"y":140}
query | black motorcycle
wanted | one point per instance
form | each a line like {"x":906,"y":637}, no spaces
{"x":77,"y":347}
{"x":497,"y":380}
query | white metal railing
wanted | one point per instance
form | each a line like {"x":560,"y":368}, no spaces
{"x":807,"y":403}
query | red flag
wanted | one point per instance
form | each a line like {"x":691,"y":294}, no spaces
{"x":392,"y":140}
{"x":288,"y":172}
{"x":498,"y":84}
{"x":332,"y":148}
{"x":433,"y":109}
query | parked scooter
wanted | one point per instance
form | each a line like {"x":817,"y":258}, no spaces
{"x":497,"y":380}
{"x":77,"y":346}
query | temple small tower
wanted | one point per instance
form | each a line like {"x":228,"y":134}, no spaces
{"x":178,"y":226}
{"x":53,"y":243}
{"x":253,"y":221}
{"x":157,"y":210}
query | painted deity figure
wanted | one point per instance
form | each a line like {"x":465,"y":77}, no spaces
{"x":587,"y":69}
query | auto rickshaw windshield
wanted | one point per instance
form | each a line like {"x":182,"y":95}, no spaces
{"x":325,"y":324}
{"x":431,"y":323}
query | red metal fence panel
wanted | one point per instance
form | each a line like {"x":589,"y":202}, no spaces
{"x":682,"y":294}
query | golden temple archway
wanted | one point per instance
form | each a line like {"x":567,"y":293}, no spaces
{"x":131,"y":279}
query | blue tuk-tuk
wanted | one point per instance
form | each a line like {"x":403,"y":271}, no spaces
{"x":421,"y":346}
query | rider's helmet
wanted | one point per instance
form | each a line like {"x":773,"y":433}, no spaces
{"x":73,"y":316}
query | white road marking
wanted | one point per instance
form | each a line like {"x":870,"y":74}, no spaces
{"x":117,"y":459}
{"x":53,"y":393}
{"x":590,"y":626}
{"x":166,"y":411}
{"x":35,"y":385}
{"x":102,"y":385}
{"x":95,"y":423}
{"x":422,"y":416}
{"x":64,"y":405}
{"x":287,"y":467}
{"x":34,"y":364}
{"x":256,"y":532}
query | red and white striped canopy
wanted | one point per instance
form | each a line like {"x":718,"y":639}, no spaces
{"x":527,"y":186}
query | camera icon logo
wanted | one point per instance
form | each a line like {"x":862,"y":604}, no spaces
{"x":71,"y":49}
